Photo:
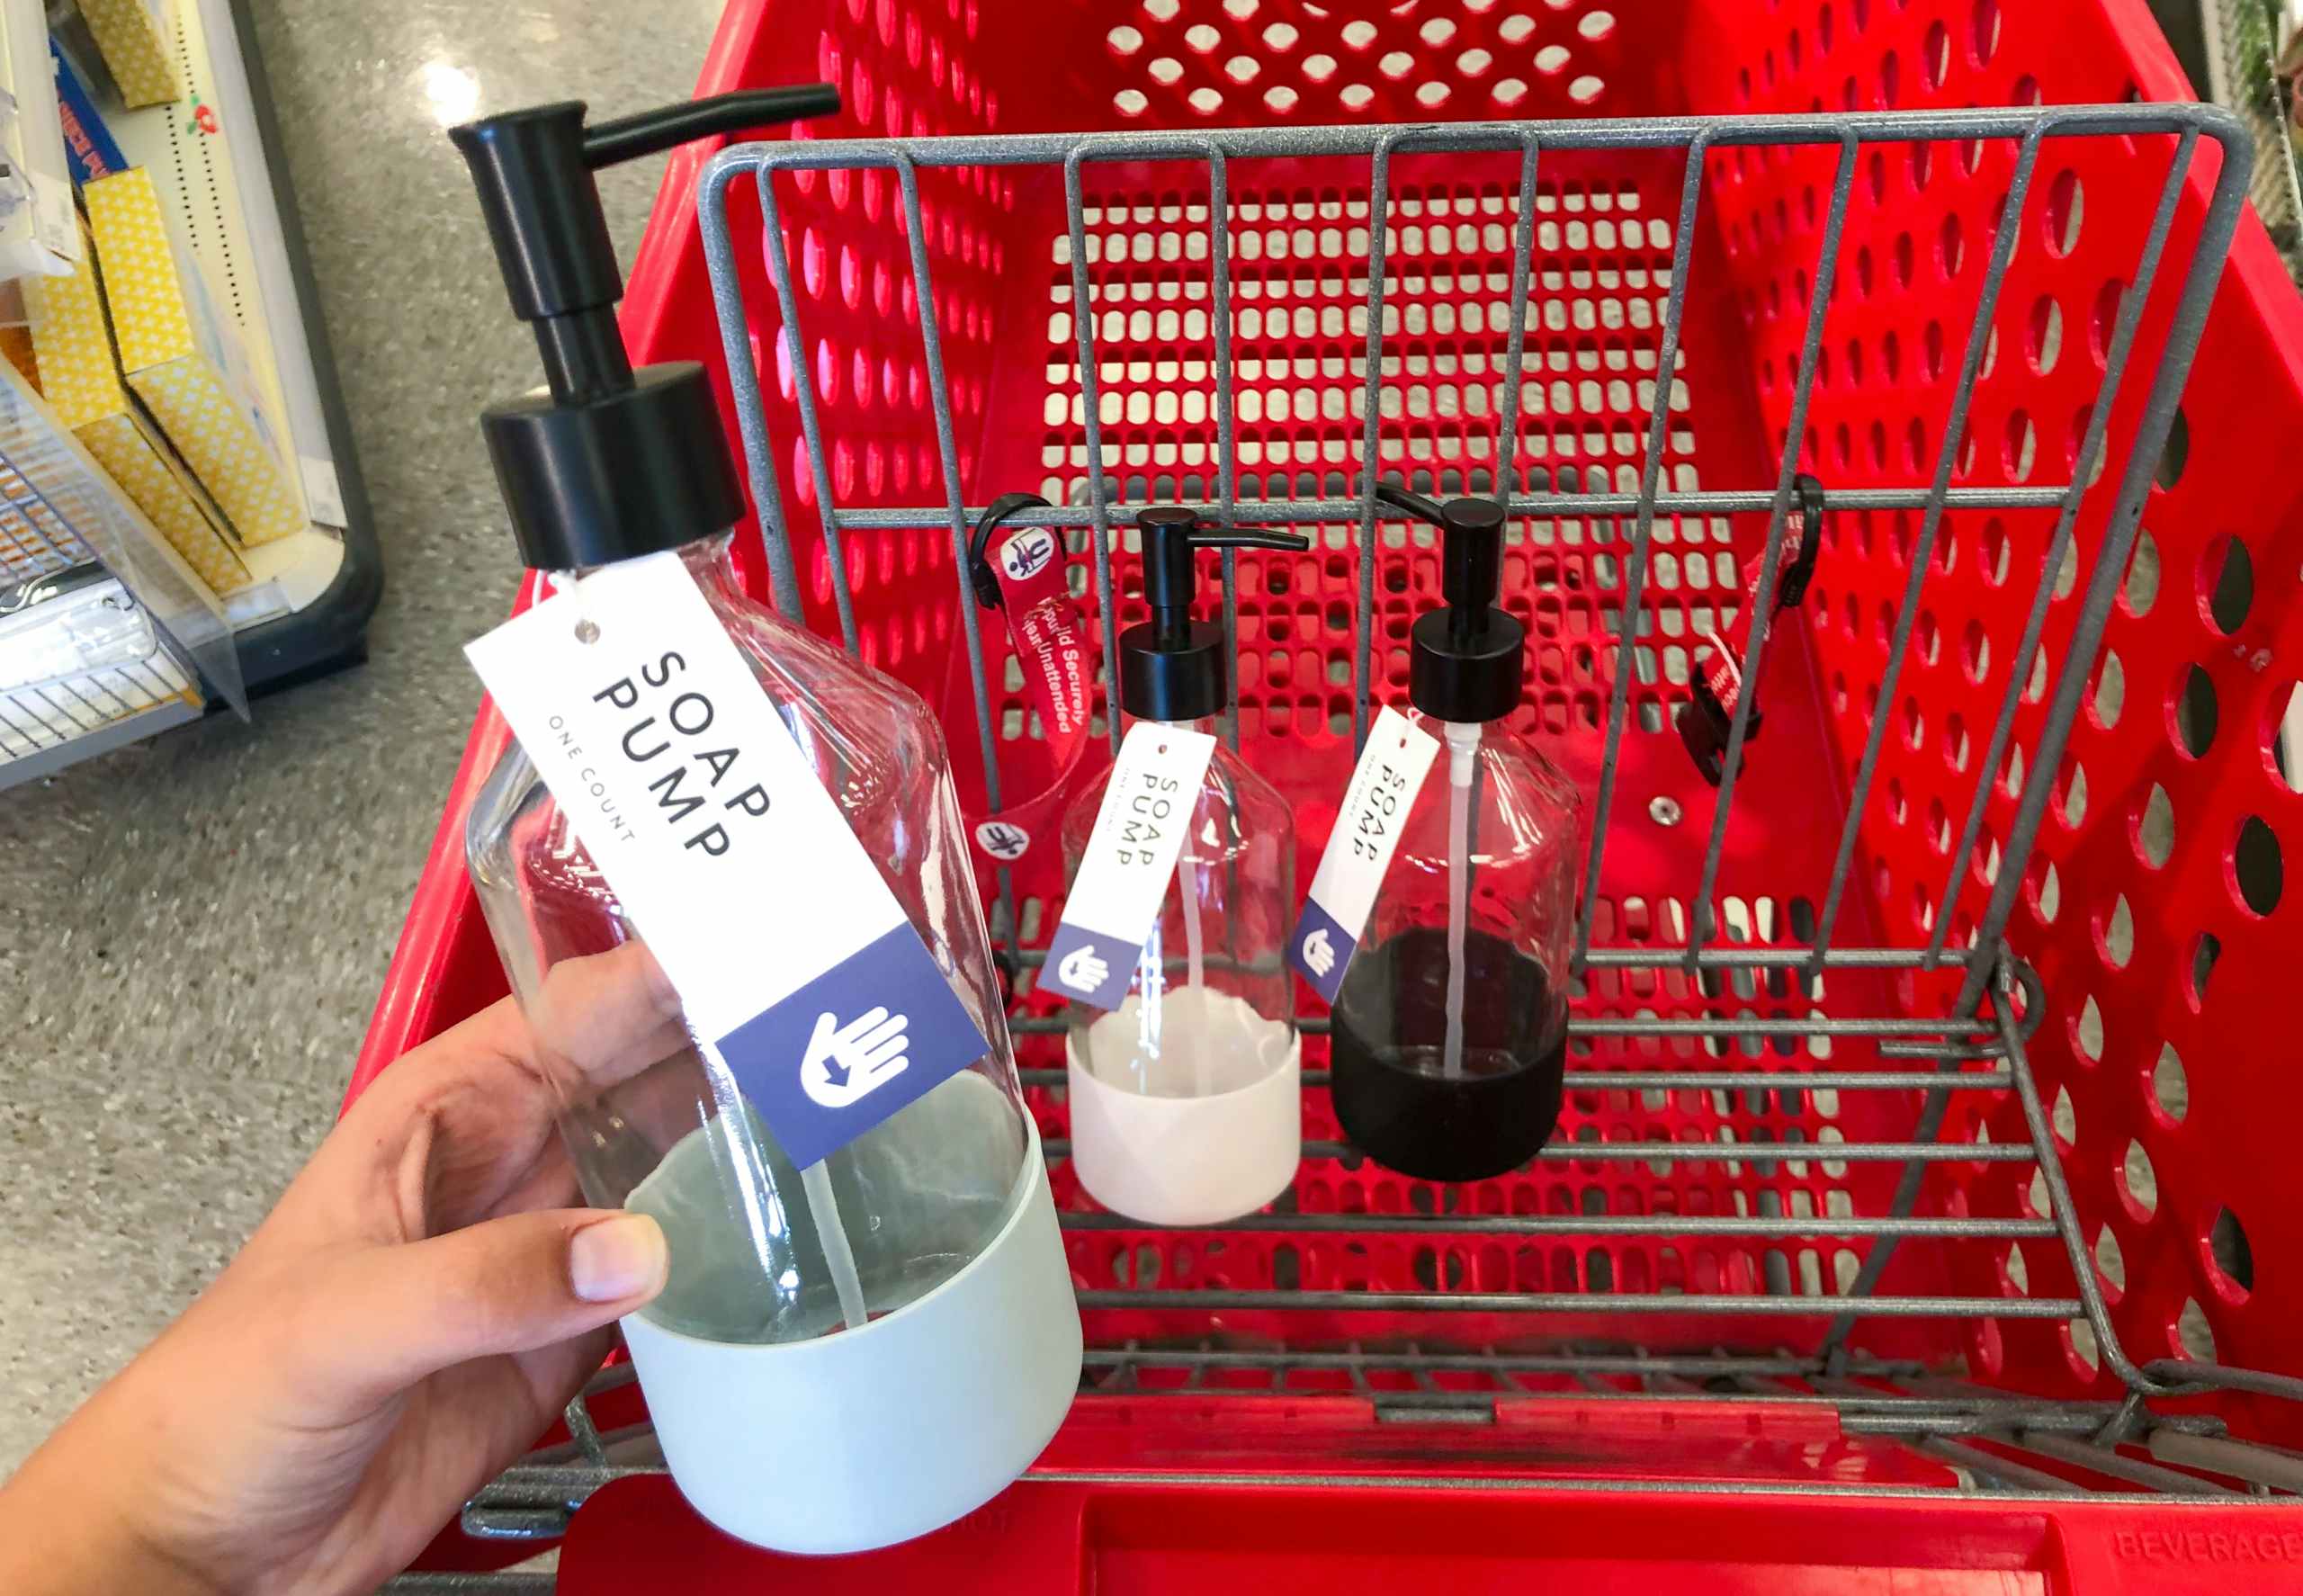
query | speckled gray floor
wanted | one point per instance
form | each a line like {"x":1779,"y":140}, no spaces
{"x":192,"y":933}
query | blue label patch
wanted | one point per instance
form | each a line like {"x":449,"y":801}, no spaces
{"x":1089,"y":967}
{"x":1321,"y":949}
{"x":876,"y":1032}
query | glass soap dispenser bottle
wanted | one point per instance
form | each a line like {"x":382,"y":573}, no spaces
{"x":857,"y":1345}
{"x":1449,"y":1034}
{"x":1185,"y":1099}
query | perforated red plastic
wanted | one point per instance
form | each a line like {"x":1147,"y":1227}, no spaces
{"x":2168,"y":1114}
{"x":2155,"y":911}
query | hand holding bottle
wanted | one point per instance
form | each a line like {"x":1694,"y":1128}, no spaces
{"x":414,"y":1314}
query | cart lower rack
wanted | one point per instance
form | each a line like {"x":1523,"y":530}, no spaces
{"x":1993,"y":1443}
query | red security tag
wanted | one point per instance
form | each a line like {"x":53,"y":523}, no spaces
{"x":1707,"y":719}
{"x":1019,"y":573}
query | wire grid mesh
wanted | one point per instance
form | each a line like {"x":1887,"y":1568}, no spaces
{"x":34,"y":540}
{"x":1651,"y":497}
{"x":52,"y":714}
{"x":1104,"y":519}
{"x":68,"y":683}
{"x":1994,"y":1443}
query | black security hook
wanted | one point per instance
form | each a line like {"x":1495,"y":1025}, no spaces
{"x":1807,"y":508}
{"x":1706,"y":722}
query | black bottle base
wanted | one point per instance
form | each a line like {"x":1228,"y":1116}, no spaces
{"x":1391,"y":1092}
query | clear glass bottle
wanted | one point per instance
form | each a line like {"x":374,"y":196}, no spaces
{"x":855,"y":1352}
{"x":1185,"y":1099}
{"x":918,"y":1204}
{"x":1449,"y":1033}
{"x":789,"y":1289}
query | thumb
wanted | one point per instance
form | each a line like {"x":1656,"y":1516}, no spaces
{"x":511,"y":1284}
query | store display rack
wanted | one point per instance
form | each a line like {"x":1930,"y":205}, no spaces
{"x":217,"y":161}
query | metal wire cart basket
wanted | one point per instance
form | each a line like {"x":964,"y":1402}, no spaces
{"x":1918,"y":1202}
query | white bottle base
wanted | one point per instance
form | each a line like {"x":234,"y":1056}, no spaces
{"x":1186,"y":1160}
{"x":873,"y":1435}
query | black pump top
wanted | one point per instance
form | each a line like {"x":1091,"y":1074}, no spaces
{"x":1465,"y":662}
{"x":1172,"y":668}
{"x":605,"y":463}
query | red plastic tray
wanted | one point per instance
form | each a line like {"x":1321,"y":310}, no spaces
{"x":1319,"y":1540}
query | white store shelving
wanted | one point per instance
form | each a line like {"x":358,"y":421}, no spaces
{"x":213,"y":160}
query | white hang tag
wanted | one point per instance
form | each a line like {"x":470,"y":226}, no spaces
{"x":794,"y":962}
{"x":1383,"y":786}
{"x":1139,"y":836}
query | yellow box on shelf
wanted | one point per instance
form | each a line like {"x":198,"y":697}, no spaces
{"x":79,"y":376}
{"x":138,"y":41}
{"x":185,"y":363}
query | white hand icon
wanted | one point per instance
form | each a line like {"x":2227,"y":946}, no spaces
{"x":1082,"y":970}
{"x":843,"y":1062}
{"x":1319,"y":953}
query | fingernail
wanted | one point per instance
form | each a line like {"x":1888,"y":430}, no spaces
{"x":617,"y":1258}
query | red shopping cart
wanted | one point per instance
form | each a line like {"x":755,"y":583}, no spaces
{"x":1916,"y":1211}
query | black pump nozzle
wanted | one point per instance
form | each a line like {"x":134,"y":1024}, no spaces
{"x":1466,"y":661}
{"x":614,"y":462}
{"x":533,"y":170}
{"x":1172,"y":668}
